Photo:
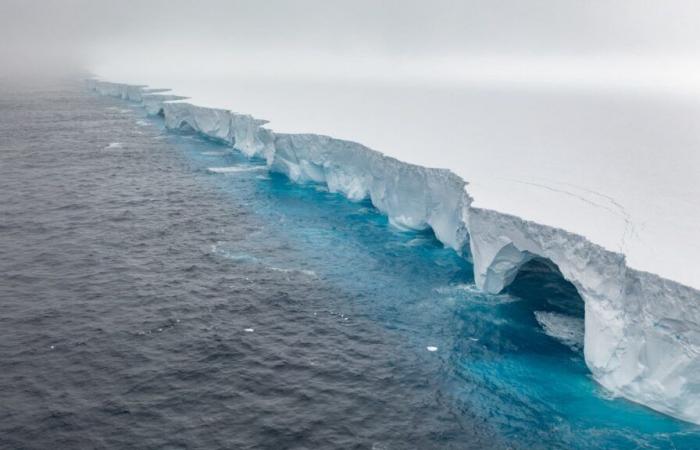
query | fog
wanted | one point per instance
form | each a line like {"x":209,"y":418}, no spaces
{"x":633,"y":43}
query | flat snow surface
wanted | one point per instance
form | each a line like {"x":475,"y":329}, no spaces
{"x":620,"y":168}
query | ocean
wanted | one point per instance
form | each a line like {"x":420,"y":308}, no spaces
{"x":160,"y":290}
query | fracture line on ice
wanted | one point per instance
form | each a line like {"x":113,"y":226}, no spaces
{"x":642,"y":331}
{"x":617,"y":209}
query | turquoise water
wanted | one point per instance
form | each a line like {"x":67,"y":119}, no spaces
{"x":493,"y":357}
{"x":148,"y":302}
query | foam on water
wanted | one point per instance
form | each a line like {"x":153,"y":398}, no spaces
{"x":308,"y":273}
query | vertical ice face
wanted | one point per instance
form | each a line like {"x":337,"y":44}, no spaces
{"x":241,"y":131}
{"x":412,"y":197}
{"x":642,"y":332}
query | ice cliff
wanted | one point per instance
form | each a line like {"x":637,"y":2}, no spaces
{"x":642,"y":332}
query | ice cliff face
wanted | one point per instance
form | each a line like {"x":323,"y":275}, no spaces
{"x":412,"y":197}
{"x":642,"y":332}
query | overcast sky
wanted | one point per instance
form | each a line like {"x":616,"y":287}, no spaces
{"x":433,"y":41}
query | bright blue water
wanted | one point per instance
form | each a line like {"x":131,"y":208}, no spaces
{"x":195,"y":309}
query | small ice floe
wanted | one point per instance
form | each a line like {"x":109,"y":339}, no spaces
{"x":235,"y":169}
{"x":249,"y":330}
{"x":472,"y":294}
{"x":416,"y":242}
{"x":568,"y":330}
{"x":114,"y":145}
{"x":431,"y":348}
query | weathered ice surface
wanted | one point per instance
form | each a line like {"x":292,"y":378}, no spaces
{"x":642,"y":332}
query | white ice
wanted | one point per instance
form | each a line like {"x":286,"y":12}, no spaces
{"x":603,"y":185}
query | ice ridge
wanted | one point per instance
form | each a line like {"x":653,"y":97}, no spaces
{"x":642,"y":332}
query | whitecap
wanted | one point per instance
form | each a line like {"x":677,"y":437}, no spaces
{"x":113,"y":145}
{"x":309,"y":273}
{"x":221,"y":250}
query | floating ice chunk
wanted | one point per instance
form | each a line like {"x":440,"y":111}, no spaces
{"x":249,"y":330}
{"x":568,"y":330}
{"x":236,"y":169}
{"x":431,"y":348}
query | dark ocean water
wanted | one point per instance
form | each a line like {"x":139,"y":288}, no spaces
{"x":147,"y":302}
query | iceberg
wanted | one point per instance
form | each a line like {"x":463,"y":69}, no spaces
{"x":641,"y":330}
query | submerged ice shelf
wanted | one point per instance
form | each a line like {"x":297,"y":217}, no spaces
{"x":642,"y":331}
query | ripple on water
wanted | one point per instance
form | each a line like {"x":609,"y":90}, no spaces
{"x":187,"y":310}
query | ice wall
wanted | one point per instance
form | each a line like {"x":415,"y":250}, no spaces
{"x":642,"y":332}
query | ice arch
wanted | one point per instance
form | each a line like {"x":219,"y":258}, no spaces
{"x":641,"y":339}
{"x":642,"y":332}
{"x":551,"y":302}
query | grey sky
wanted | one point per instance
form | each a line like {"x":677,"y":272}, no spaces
{"x":374,"y":36}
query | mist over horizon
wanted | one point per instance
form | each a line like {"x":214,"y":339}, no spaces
{"x":618,"y":44}
{"x":366,"y":224}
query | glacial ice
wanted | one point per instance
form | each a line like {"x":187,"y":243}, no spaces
{"x":642,"y":332}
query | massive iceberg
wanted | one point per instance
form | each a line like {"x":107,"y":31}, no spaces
{"x":642,"y":331}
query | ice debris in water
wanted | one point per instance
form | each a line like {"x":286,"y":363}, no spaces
{"x":431,"y":348}
{"x":212,"y":153}
{"x":641,"y":329}
{"x":235,"y":169}
{"x":249,"y":330}
{"x":566,"y":329}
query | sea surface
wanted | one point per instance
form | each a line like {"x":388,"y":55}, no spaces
{"x":158,"y":290}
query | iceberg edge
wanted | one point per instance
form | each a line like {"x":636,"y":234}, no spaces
{"x":642,"y":332}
